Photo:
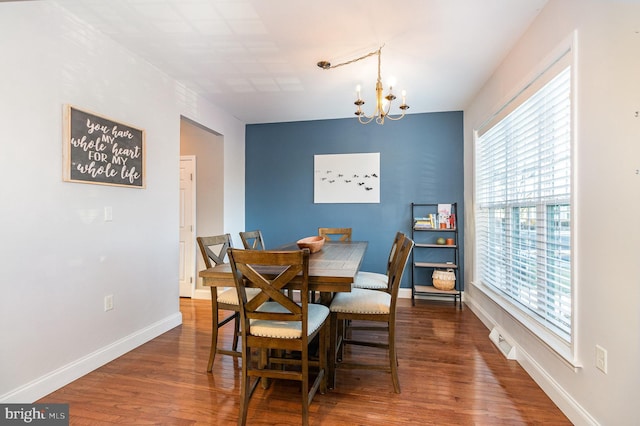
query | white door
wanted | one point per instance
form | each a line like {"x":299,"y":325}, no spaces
{"x":187,"y":225}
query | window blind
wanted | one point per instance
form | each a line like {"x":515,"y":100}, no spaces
{"x":523,"y":203}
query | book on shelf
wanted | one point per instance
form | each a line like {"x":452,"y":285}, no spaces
{"x":446,"y":219}
{"x":427,"y":222}
{"x":444,"y":209}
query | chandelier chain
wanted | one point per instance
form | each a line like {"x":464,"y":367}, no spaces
{"x":375,"y":52}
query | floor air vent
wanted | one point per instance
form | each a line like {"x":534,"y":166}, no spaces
{"x":507,"y":349}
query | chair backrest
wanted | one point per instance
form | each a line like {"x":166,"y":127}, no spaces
{"x":339,"y":234}
{"x":392,"y":253}
{"x":270,"y":272}
{"x":252,"y":240}
{"x":214,"y":248}
{"x":396,"y":272}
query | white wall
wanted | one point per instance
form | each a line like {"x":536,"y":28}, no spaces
{"x":59,"y":258}
{"x":607,"y":155}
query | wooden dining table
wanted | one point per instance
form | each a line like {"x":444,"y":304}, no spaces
{"x":331,"y":270}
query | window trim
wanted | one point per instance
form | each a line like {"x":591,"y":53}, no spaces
{"x":564,"y":55}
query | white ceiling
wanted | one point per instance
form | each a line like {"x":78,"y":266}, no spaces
{"x":257,"y":58}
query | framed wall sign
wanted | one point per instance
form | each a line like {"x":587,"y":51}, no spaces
{"x":346,"y":178}
{"x":102,"y":151}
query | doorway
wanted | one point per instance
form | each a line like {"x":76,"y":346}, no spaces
{"x":206,"y":147}
{"x":187,"y":209}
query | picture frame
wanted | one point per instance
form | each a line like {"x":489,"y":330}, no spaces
{"x":99,"y":150}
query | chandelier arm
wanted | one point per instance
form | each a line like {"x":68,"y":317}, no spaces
{"x":397,"y":117}
{"x":369,"y":119}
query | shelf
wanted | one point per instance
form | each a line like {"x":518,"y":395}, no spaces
{"x":435,"y":265}
{"x":425,"y":244}
{"x":449,"y":246}
{"x":432,"y":290}
{"x":435,"y":229}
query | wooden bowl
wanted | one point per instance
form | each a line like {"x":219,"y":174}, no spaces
{"x":314,"y":243}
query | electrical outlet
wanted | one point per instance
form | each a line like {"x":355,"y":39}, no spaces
{"x":108,"y":302}
{"x":601,"y":359}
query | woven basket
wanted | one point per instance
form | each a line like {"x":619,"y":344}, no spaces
{"x":444,"y":280}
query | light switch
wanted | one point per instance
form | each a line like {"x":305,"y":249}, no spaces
{"x":108,"y":214}
{"x":601,"y":359}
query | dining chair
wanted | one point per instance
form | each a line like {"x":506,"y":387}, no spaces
{"x":272,"y":320}
{"x":370,"y":306}
{"x":378,"y":280}
{"x":252,"y":240}
{"x":339,"y":234}
{"x":214,"y":252}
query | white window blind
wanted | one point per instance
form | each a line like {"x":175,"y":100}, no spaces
{"x":523,"y":203}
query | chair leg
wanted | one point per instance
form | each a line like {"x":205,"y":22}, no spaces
{"x":342,"y":329}
{"x":214,"y":348}
{"x":236,"y":330}
{"x":322,"y":359}
{"x":393,"y":358}
{"x":245,"y":388}
{"x":214,"y":329}
{"x":305,"y":386}
{"x":331,"y":350}
{"x":263,"y":363}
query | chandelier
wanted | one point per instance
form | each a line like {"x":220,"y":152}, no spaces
{"x":383,"y":103}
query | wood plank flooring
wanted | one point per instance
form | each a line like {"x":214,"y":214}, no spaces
{"x":450,"y":374}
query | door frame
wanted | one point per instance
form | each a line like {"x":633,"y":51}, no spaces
{"x":193,"y":258}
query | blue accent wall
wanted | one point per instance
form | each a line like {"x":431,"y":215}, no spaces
{"x":421,"y":160}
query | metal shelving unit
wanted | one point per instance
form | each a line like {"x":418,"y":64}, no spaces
{"x":428,"y":256}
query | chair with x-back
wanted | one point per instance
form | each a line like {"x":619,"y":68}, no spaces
{"x":335,"y":234}
{"x":252,"y":240}
{"x":274,"y":325}
{"x":369,"y":306}
{"x":214,"y":252}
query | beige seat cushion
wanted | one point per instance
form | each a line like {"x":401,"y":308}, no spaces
{"x":370,"y":280}
{"x":288,"y":329}
{"x":230,"y":296}
{"x":362,"y":301}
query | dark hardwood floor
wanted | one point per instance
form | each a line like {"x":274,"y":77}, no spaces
{"x":450,"y":374}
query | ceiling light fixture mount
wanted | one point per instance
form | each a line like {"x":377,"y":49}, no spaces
{"x":383,"y":103}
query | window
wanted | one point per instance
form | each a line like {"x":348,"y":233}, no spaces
{"x":523,"y":204}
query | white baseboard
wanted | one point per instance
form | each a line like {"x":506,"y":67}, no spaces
{"x":202,"y":293}
{"x":66,"y":374}
{"x":404,"y":293}
{"x":565,"y":402}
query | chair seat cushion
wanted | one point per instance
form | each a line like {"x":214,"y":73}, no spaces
{"x":371,"y":280}
{"x":230,"y":296}
{"x":362,"y":301}
{"x":317,"y":314}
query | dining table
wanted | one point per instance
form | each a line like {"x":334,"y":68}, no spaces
{"x":331,"y":270}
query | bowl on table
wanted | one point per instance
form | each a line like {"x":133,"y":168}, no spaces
{"x":314,"y":243}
